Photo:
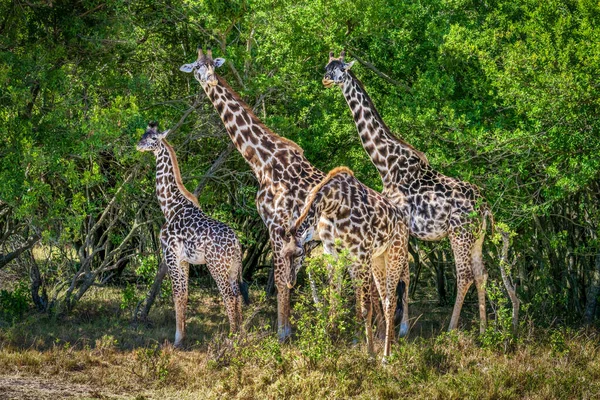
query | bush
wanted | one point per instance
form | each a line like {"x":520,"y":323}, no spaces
{"x":14,"y":304}
{"x":324,"y":325}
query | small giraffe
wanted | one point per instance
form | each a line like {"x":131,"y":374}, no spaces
{"x":190,"y":236}
{"x":436,"y":206}
{"x":372,"y":228}
{"x":284,"y":175}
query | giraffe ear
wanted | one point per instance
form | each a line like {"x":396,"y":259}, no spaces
{"x":219,"y":61}
{"x":164,"y":134}
{"x":349,"y":65}
{"x":187,"y":68}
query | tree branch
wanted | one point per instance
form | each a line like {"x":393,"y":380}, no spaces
{"x":380,"y":74}
{"x":6,"y":258}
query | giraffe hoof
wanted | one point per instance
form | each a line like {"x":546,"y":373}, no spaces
{"x":284,"y":334}
{"x":403,"y":329}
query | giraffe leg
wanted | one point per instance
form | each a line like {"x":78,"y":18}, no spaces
{"x":231,"y":296}
{"x":462,"y":244}
{"x":398,"y":270}
{"x":363,"y":277}
{"x":284,"y":329}
{"x":178,"y":272}
{"x":378,"y":296}
{"x":232,"y":306}
{"x":405,"y":278}
{"x":281,"y":265}
{"x":238,"y":310}
{"x":282,"y":272}
{"x":378,"y":314}
{"x":367,"y":312}
{"x":335,"y":278}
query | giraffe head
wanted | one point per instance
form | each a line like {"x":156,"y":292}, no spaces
{"x":151,"y":138}
{"x":336,"y":70}
{"x":292,"y":249}
{"x":204,"y":67}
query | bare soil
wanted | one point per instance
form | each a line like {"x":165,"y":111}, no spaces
{"x":31,"y":387}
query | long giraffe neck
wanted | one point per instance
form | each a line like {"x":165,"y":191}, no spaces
{"x":328,"y":196}
{"x":253,"y":139}
{"x":170,"y":191}
{"x":396,"y":160}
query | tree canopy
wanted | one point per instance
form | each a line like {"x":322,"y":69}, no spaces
{"x":503,"y":94}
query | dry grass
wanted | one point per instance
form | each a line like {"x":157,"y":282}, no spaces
{"x":98,"y":353}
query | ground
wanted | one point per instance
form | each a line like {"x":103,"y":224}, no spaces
{"x":97,"y":352}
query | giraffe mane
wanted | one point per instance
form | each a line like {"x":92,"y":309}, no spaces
{"x":420,"y":154}
{"x":314,"y":191}
{"x":257,"y":121}
{"x":177,"y":173}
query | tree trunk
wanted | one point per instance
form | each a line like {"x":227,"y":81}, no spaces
{"x":508,"y":283}
{"x":151,"y":296}
{"x":417,"y":261}
{"x":593,"y":293}
{"x":6,"y":258}
{"x":40,"y":301}
{"x":270,"y":289}
{"x":438,"y":265}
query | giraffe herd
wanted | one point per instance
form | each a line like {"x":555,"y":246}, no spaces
{"x":300,"y":204}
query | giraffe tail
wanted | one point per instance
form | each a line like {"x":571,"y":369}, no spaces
{"x":237,"y":281}
{"x":243,"y":286}
{"x":487,"y":215}
{"x":244,"y":292}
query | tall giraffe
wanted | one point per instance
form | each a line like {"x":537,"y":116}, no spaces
{"x":284,"y":175}
{"x":372,"y":228}
{"x":190,"y":236}
{"x":436,"y":205}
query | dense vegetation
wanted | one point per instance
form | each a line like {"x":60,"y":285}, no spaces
{"x":503,"y":94}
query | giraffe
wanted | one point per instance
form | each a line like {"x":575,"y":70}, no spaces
{"x":436,"y":205}
{"x":373,"y":230}
{"x":190,"y":236}
{"x":284,"y":175}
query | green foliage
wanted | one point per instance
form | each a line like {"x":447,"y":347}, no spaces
{"x":153,"y":364}
{"x":502,"y":95}
{"x":322,"y":327}
{"x":129,"y":298}
{"x":13,"y":304}
{"x":499,"y":334}
{"x":558,"y":343}
{"x":146,"y":270}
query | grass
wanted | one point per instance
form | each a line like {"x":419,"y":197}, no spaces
{"x":96,"y":352}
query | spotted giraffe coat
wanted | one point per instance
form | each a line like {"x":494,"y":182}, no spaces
{"x":372,"y":229}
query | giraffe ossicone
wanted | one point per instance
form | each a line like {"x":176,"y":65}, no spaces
{"x":189,"y":236}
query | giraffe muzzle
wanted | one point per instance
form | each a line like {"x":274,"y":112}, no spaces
{"x":328,"y":82}
{"x":212,"y":81}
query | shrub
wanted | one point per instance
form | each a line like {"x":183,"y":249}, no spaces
{"x":322,"y":326}
{"x":13,"y":304}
